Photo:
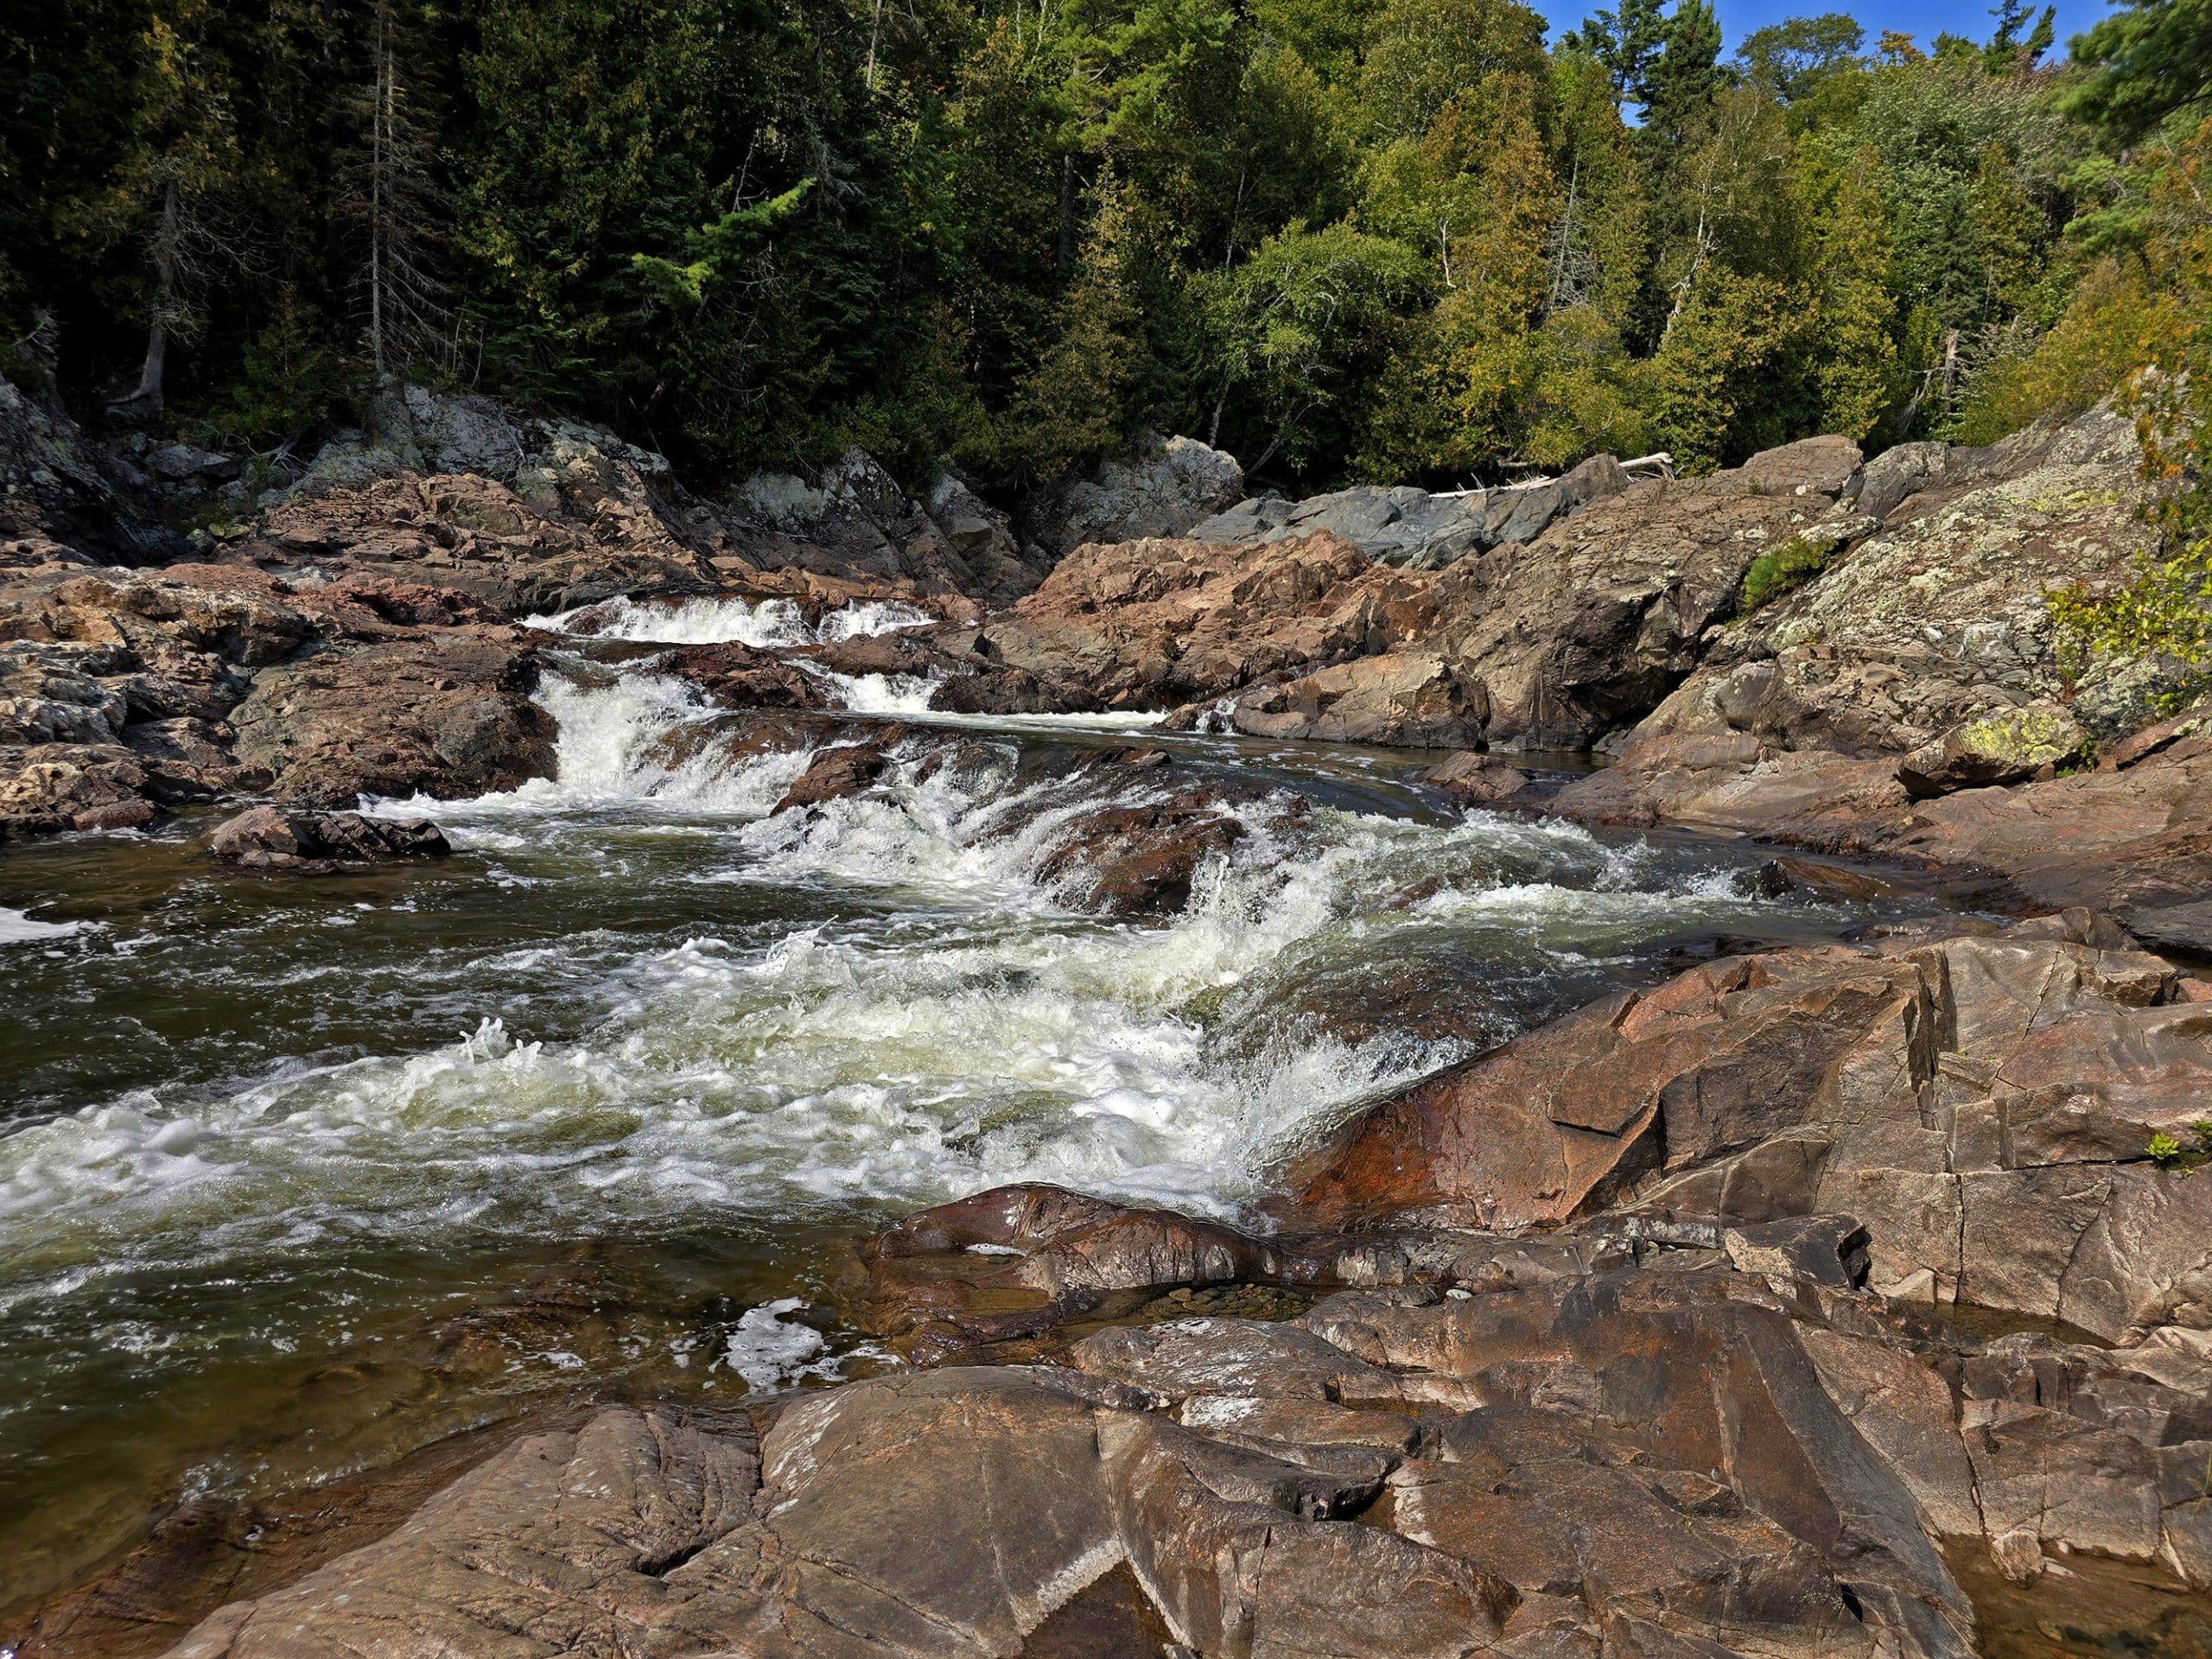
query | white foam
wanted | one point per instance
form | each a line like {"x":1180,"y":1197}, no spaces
{"x":956,"y":1025}
{"x":767,"y":624}
{"x":17,"y":928}
{"x":770,"y":1351}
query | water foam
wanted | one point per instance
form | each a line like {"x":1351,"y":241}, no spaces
{"x":767,"y":624}
{"x":18,"y":928}
{"x":944,"y":1022}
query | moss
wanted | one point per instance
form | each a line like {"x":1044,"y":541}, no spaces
{"x":1782,"y":568}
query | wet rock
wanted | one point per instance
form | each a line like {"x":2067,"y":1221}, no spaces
{"x":834,"y":774}
{"x":268,"y":838}
{"x":445,"y":714}
{"x":1472,"y":779}
{"x":1140,"y":859}
{"x":743,"y":677}
{"x":966,"y":680}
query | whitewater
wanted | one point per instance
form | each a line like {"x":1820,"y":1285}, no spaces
{"x":647,"y":1047}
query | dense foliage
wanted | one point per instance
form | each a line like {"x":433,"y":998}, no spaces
{"x":1345,"y":238}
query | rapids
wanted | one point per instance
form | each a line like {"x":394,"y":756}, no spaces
{"x":296,"y":1175}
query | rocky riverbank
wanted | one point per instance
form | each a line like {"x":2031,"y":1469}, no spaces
{"x":1838,"y":1298}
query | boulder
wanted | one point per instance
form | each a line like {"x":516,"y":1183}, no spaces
{"x":445,"y":714}
{"x":1140,"y":859}
{"x":1160,"y":489}
{"x":743,"y":677}
{"x":835,"y":773}
{"x":269,"y":838}
{"x":182,"y":463}
{"x":1471,"y":779}
{"x":2008,"y":748}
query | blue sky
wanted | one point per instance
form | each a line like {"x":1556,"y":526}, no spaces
{"x":1921,"y":19}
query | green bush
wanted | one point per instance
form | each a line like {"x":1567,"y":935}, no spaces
{"x":1782,"y":569}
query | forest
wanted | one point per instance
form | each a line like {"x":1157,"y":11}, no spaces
{"x":1346,"y":239}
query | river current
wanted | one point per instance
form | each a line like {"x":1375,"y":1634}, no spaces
{"x":298,"y":1174}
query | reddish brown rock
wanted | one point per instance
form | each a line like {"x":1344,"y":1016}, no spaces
{"x":834,"y":774}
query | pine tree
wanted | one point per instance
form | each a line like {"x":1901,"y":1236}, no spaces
{"x":171,"y":193}
{"x":1627,"y":43}
{"x":1680,"y":83}
{"x":390,"y":195}
{"x":1854,"y":350}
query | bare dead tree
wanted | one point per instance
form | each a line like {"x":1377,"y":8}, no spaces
{"x":388,"y":193}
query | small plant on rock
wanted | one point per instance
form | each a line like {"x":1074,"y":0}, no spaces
{"x":2164,"y":1151}
{"x":1782,"y":568}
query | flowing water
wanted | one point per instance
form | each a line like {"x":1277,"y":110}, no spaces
{"x":296,"y":1175}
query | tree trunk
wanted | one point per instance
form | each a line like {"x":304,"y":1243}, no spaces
{"x":145,"y":399}
{"x":1067,"y":218}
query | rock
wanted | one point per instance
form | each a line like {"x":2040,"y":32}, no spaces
{"x":1898,"y":473}
{"x":445,"y":715}
{"x":1402,"y":697}
{"x":574,"y":1532}
{"x":1937,"y":619}
{"x":1817,"y":1249}
{"x":2009,"y":747}
{"x":834,"y":774}
{"x":47,"y":788}
{"x":1564,"y":641}
{"x":853,"y":523}
{"x":268,"y":838}
{"x":180,"y":463}
{"x":1160,"y":489}
{"x":1471,"y":779}
{"x":743,"y":677}
{"x":1657,"y":1464}
{"x":1981,"y":1105}
{"x":60,"y":501}
{"x":1140,"y":859}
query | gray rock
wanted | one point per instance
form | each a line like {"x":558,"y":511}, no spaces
{"x":180,"y":463}
{"x":268,"y":838}
{"x":1161,"y":487}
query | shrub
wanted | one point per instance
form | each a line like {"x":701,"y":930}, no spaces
{"x":1782,"y":568}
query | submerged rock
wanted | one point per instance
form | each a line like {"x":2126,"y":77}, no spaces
{"x":267,"y":838}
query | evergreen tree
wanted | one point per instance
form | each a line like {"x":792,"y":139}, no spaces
{"x":171,"y":192}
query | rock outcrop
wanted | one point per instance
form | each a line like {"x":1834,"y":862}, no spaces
{"x":1407,"y":526}
{"x":1937,"y":618}
{"x":1562,"y":641}
{"x":123,"y":692}
{"x":1984,"y":1105}
{"x":1160,"y":488}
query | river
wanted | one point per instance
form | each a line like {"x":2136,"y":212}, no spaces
{"x":298,"y":1174}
